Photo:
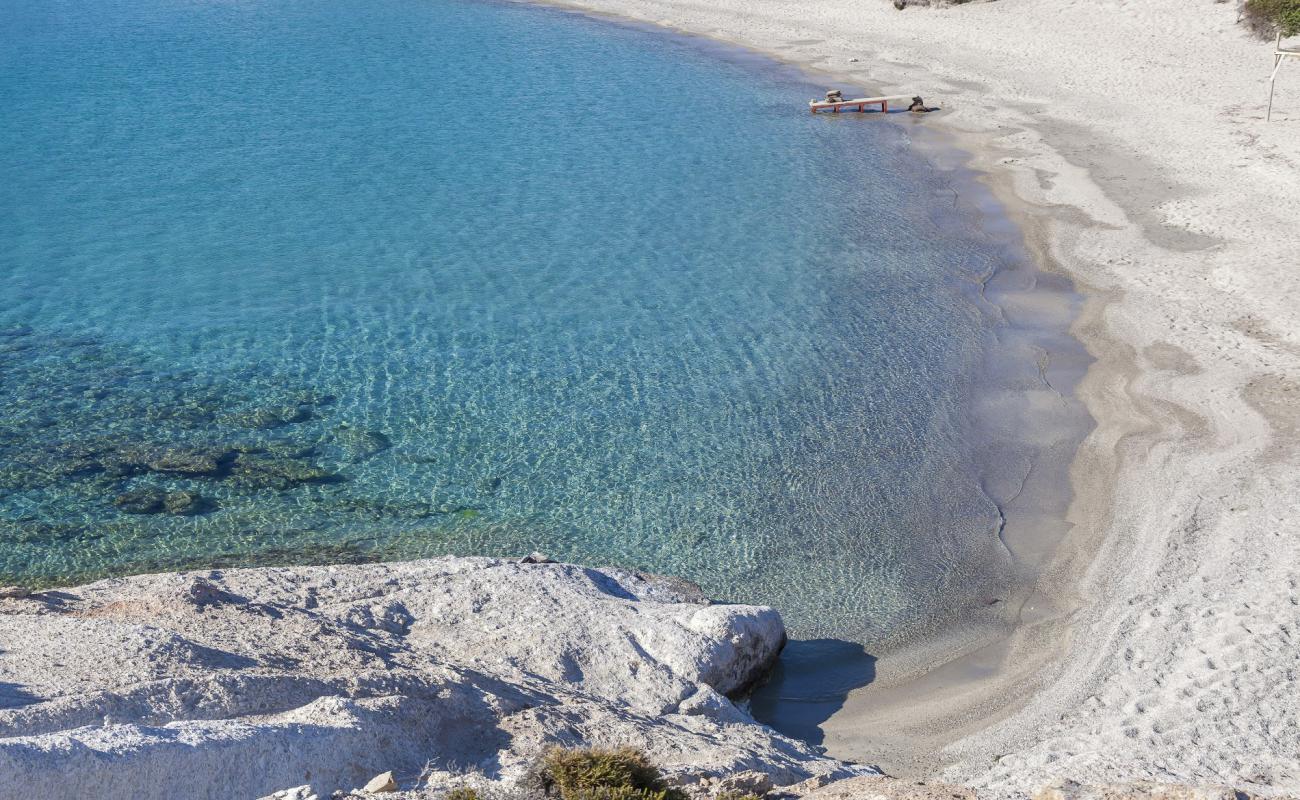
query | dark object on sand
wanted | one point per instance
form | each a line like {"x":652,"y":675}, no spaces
{"x":918,"y":106}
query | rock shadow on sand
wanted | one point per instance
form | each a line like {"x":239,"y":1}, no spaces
{"x":13,"y":695}
{"x":810,"y":683}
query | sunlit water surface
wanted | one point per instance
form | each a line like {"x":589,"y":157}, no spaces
{"x":301,"y":282}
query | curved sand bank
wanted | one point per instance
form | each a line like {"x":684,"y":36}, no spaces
{"x":1129,"y":138}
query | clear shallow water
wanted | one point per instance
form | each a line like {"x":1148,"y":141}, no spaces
{"x":344,"y":282}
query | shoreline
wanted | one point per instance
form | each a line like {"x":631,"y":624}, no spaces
{"x":1026,"y":410}
{"x":1151,"y":640}
{"x":1036,"y":355}
{"x":1092,"y":698}
{"x":952,"y":659}
{"x":958,"y":681}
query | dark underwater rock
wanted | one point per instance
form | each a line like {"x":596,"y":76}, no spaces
{"x":358,"y":444}
{"x":187,"y":414}
{"x":457,"y":509}
{"x":33,"y":466}
{"x":269,"y":416}
{"x":252,"y":470}
{"x":280,"y":448}
{"x":113,"y":457}
{"x":16,"y":332}
{"x":189,"y":460}
{"x":311,"y":397}
{"x":140,"y":501}
{"x":27,"y":530}
{"x":184,"y":503}
{"x":378,"y":508}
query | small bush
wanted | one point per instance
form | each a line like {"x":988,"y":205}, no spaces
{"x":461,"y":793}
{"x":1270,"y":16}
{"x":625,"y":793}
{"x":600,"y":774}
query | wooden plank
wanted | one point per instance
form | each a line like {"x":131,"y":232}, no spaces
{"x":861,"y":103}
{"x":819,"y":104}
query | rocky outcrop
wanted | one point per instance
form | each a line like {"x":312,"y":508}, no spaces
{"x":244,"y":682}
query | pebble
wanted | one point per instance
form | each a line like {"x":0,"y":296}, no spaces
{"x":381,"y":784}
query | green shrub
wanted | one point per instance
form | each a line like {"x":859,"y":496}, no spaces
{"x":601,"y":774}
{"x":626,"y":793}
{"x":1270,"y":16}
{"x":461,"y":793}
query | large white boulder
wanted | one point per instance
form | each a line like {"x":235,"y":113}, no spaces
{"x":238,"y":683}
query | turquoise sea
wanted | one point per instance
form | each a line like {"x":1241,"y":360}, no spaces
{"x":295,"y":282}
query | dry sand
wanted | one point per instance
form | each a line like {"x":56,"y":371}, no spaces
{"x":1128,"y":137}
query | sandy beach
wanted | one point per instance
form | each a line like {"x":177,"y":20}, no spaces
{"x":1150,"y":639}
{"x":1129,"y":140}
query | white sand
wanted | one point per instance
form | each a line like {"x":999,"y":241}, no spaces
{"x":1129,"y":135}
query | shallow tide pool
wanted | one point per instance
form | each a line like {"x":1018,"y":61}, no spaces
{"x":298,"y":282}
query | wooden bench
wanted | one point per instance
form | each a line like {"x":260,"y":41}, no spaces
{"x":861,"y":103}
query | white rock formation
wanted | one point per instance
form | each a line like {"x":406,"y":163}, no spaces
{"x":240,"y":683}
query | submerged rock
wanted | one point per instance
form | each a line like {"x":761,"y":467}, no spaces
{"x":16,"y":332}
{"x":420,"y":455}
{"x":140,"y":501}
{"x":189,"y":461}
{"x":36,"y":465}
{"x":378,"y":508}
{"x":114,"y":457}
{"x":252,"y":470}
{"x":358,"y":444}
{"x":269,"y":416}
{"x":457,"y":509}
{"x":151,"y":500}
{"x":183,"y":503}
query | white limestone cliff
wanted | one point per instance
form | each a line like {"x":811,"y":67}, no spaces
{"x":237,"y":683}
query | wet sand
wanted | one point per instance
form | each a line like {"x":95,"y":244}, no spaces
{"x":1027,"y":422}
